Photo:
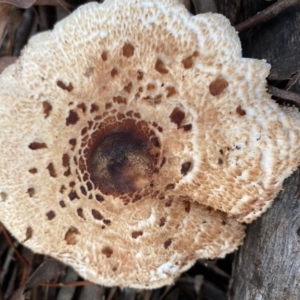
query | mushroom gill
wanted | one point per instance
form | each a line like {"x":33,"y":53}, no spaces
{"x":133,"y":148}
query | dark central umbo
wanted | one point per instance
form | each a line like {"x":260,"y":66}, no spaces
{"x":122,"y":160}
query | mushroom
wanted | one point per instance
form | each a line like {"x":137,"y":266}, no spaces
{"x":130,"y":148}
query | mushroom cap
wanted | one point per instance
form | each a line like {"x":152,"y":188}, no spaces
{"x":135,"y":138}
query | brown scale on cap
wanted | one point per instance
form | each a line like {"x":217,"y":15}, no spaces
{"x":107,"y":251}
{"x":218,"y":86}
{"x":140,"y":75}
{"x":80,"y":213}
{"x":73,"y":143}
{"x":71,"y":235}
{"x":117,"y":146}
{"x":82,"y":106}
{"x":47,"y":107}
{"x":170,"y":91}
{"x":94,"y":107}
{"x":160,"y":66}
{"x":66,"y":160}
{"x":107,"y":222}
{"x":97,"y":215}
{"x":72,"y":118}
{"x":136,"y":234}
{"x":28,"y":235}
{"x":177,"y":116}
{"x":33,"y":170}
{"x":189,"y":61}
{"x":114,"y":72}
{"x":128,"y":50}
{"x":31,"y":192}
{"x":128,"y":88}
{"x":240,"y":111}
{"x":62,"y":203}
{"x":65,"y":87}
{"x":162,"y":222}
{"x":73,"y":195}
{"x":51,"y":170}
{"x":37,"y":145}
{"x":50,"y":215}
{"x":167,"y":243}
{"x":104,"y":56}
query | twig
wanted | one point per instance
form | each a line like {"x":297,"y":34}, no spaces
{"x":18,"y":254}
{"x":284,"y":94}
{"x":11,"y":244}
{"x":267,"y":14}
{"x":112,"y":293}
{"x":62,"y":3}
{"x":23,"y":31}
{"x":1,"y":293}
{"x":205,"y":6}
{"x":67,"y":284}
{"x":293,"y":80}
